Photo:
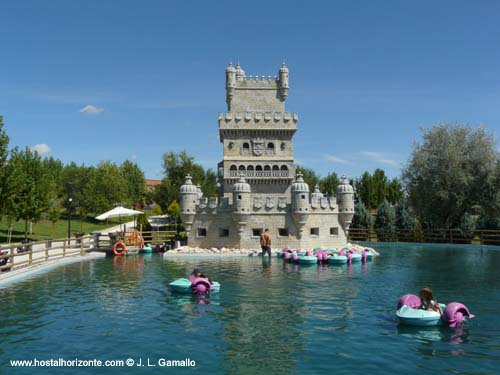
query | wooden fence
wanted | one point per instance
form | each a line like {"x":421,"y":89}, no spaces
{"x":19,"y":255}
{"x":457,"y":236}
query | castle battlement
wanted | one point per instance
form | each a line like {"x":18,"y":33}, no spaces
{"x":257,"y":79}
{"x":258,"y":116}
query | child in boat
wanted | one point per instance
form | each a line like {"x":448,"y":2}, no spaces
{"x":428,"y":302}
{"x":198,"y":273}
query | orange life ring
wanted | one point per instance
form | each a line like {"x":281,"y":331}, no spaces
{"x":122,"y":246}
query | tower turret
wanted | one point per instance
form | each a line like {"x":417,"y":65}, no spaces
{"x":345,"y":201}
{"x":300,"y":202}
{"x":188,"y":201}
{"x":230,"y":84}
{"x":240,"y":73}
{"x":316,"y":193}
{"x":241,"y":202}
{"x":283,"y":82}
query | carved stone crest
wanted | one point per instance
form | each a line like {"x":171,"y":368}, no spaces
{"x":269,"y":202}
{"x":212,"y":203}
{"x":314,"y":202}
{"x":324,"y":203}
{"x":258,"y":203}
{"x":282,"y":203}
{"x":258,"y":146}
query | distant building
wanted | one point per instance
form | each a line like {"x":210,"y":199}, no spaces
{"x":151,"y":184}
{"x":257,"y":184}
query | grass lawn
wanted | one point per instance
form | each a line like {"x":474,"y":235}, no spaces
{"x":45,"y":230}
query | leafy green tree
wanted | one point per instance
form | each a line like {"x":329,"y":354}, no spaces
{"x":373,"y":189}
{"x":29,"y":186}
{"x":329,"y":183}
{"x":135,"y":183}
{"x":361,"y":218}
{"x":176,"y":166}
{"x":4,"y":153}
{"x":385,"y":222}
{"x":310,"y":177}
{"x":156,"y":211}
{"x":109,"y":187}
{"x":174,"y":211}
{"x":209,"y":186}
{"x":453,"y":171}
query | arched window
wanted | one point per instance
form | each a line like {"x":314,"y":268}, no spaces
{"x":246,"y":146}
{"x":284,"y":168}
{"x":267,"y":168}
{"x":233,"y":168}
{"x":276,"y":168}
{"x":250,"y":168}
{"x":258,"y":168}
{"x":270,"y":146}
{"x":241,"y":167}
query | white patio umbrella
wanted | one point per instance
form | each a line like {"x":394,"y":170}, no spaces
{"x":118,"y":212}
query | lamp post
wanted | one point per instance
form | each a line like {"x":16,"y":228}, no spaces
{"x":70,"y":200}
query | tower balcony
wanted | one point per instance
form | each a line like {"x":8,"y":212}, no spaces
{"x":260,"y":174}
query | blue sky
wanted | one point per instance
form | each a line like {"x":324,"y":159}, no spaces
{"x":117,"y":80}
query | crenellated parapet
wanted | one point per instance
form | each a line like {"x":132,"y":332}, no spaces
{"x":253,"y":117}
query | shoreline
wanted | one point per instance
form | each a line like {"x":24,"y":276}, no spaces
{"x":191,"y":251}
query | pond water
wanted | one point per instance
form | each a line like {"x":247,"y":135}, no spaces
{"x":269,"y":318}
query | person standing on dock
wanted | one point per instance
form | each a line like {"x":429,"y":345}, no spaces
{"x":265,"y":242}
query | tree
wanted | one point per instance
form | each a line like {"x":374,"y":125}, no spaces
{"x":209,"y":186}
{"x":29,"y":186}
{"x":135,"y":183}
{"x":176,"y":166}
{"x":453,"y":171}
{"x":4,"y":152}
{"x":373,"y":189}
{"x":385,"y":222}
{"x":310,"y":177}
{"x":405,"y":218}
{"x":361,"y":218}
{"x":329,"y":183}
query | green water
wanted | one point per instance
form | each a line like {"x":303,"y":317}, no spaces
{"x":269,"y":318}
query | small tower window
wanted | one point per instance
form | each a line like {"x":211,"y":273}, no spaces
{"x":233,"y":168}
{"x":258,"y":168}
{"x":314,"y":231}
{"x":282,"y":232}
{"x":241,"y":168}
{"x":239,"y":197}
{"x":202,"y":232}
{"x":334,"y":231}
{"x":267,"y":168}
{"x":223,"y":232}
{"x":245,"y":149}
{"x":284,"y":168}
{"x":250,"y":168}
{"x":256,"y":232}
{"x":303,"y":196}
{"x":276,"y":168}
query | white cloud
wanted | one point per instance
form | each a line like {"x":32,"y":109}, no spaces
{"x":42,"y":148}
{"x":91,"y":110}
{"x":337,"y":160}
{"x":379,"y":157}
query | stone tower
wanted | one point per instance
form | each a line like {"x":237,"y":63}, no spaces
{"x":256,"y":133}
{"x":257,"y":185}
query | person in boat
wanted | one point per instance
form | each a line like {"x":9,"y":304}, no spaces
{"x":198,"y":273}
{"x":428,"y":302}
